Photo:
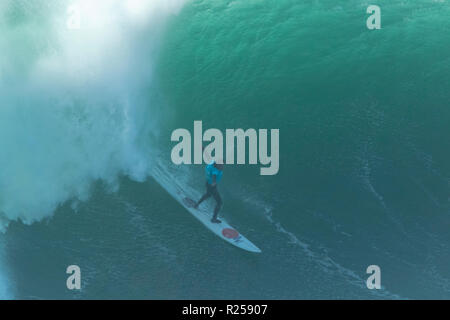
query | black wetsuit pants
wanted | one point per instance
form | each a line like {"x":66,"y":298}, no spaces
{"x":212,"y":191}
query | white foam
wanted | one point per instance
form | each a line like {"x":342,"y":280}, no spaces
{"x":71,"y":103}
{"x":72,"y":113}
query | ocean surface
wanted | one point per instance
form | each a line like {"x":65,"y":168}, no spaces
{"x":90,"y":92}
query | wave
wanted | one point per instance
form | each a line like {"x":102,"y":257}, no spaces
{"x":73,"y":102}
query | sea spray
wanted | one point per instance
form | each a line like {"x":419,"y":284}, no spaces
{"x":72,"y":106}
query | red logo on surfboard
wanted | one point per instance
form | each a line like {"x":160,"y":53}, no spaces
{"x":230,"y":233}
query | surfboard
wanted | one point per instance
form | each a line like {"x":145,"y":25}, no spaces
{"x":183,"y":195}
{"x":223,"y":229}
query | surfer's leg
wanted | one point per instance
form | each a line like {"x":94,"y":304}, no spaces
{"x":205,"y":196}
{"x":218,"y":199}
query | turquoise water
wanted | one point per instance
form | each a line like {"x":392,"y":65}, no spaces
{"x":86,"y":117}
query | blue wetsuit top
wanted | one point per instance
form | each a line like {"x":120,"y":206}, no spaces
{"x":213,"y":171}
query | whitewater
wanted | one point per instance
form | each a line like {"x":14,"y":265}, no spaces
{"x":58,"y":134}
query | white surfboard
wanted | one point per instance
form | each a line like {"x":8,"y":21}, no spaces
{"x":222,"y":230}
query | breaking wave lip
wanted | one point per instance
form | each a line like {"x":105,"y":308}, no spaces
{"x":72,"y":107}
{"x":72,"y":114}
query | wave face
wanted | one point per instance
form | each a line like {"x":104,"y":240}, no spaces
{"x":86,"y":117}
{"x":364,"y":171}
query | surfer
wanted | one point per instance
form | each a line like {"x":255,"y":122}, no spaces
{"x":214,"y":173}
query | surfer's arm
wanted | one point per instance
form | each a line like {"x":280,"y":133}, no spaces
{"x":213,"y":180}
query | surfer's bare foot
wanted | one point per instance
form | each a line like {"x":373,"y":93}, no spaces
{"x":196,"y":205}
{"x":215,"y":220}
